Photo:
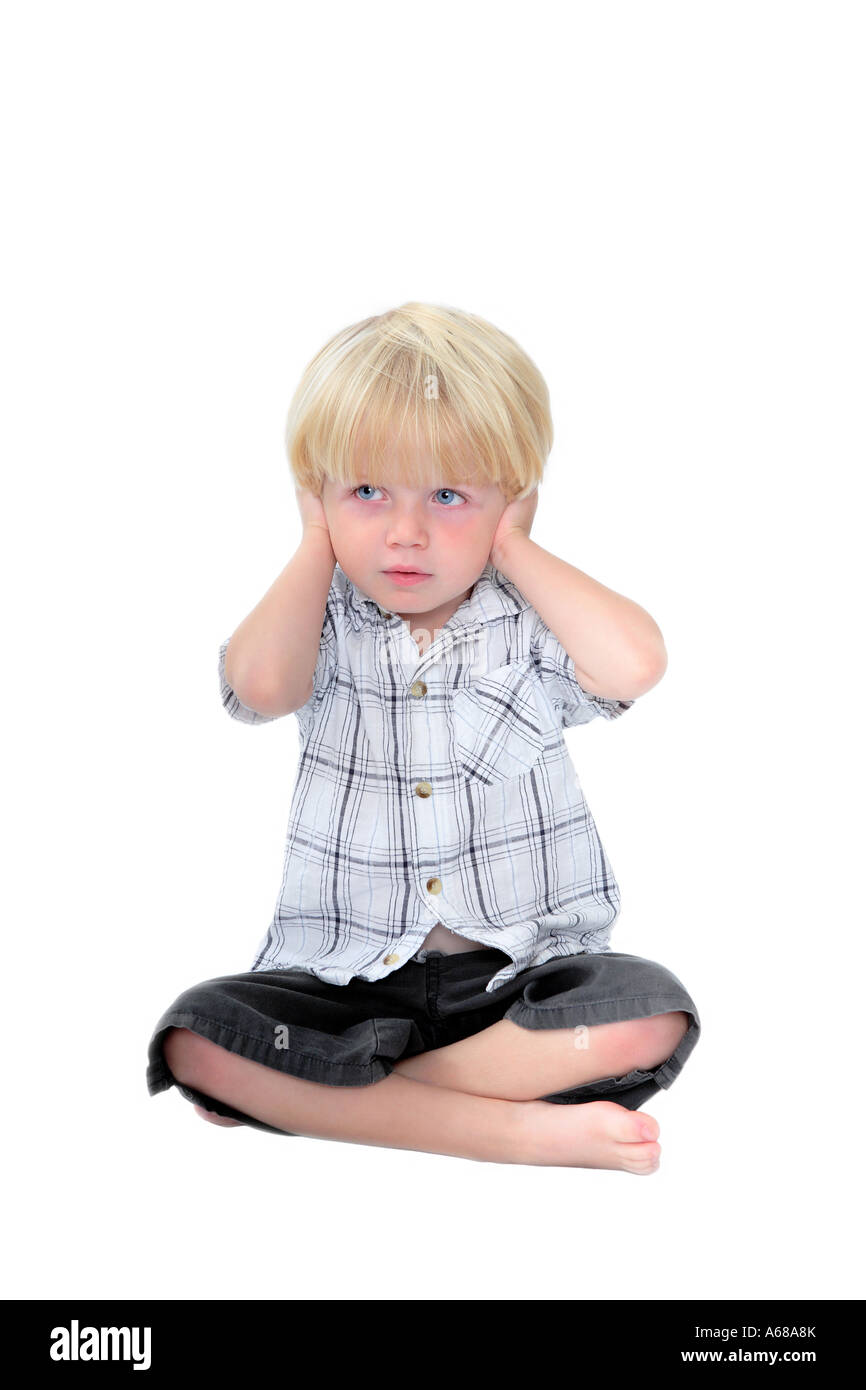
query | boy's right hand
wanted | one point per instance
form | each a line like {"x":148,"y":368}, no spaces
{"x":312,"y":511}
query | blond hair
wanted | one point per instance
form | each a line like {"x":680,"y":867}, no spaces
{"x":421,"y":375}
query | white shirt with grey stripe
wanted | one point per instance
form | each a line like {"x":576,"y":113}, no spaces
{"x":437,"y":788}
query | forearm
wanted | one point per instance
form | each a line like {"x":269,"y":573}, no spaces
{"x":614,"y":643}
{"x":271,"y":656}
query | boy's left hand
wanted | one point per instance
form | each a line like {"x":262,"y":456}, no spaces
{"x":516,"y":517}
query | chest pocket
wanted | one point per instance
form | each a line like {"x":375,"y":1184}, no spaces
{"x":498,"y":731}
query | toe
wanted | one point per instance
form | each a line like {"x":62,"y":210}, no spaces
{"x":649,"y":1126}
{"x":641,"y":1158}
{"x":631,"y":1126}
{"x":214,"y":1118}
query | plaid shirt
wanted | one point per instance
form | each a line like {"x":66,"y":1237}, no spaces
{"x":437,"y":788}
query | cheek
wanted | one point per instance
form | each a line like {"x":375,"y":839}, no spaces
{"x":467,"y":537}
{"x":477,"y":530}
{"x":462,"y":527}
{"x":346,"y":524}
{"x":474,"y":521}
{"x":357,"y":522}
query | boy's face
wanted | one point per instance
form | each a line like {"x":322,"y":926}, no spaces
{"x":442,"y":531}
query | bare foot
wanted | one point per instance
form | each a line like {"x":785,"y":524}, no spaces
{"x":597,"y":1134}
{"x":214,"y":1118}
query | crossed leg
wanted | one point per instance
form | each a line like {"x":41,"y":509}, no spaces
{"x":514,"y":1063}
{"x":482,"y":1111}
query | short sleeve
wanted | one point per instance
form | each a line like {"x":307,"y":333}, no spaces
{"x":559,"y":679}
{"x":231,"y":703}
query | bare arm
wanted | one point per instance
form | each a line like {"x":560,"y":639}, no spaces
{"x":617,"y":648}
{"x":272,"y":655}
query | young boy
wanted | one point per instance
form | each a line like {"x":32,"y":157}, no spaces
{"x":437,"y":973}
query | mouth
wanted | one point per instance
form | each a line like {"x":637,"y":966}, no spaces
{"x":403,"y":575}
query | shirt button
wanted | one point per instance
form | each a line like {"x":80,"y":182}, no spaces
{"x":383,"y":614}
{"x":417,"y":688}
{"x":434,"y":885}
{"x":424,"y":789}
{"x":391,"y":959}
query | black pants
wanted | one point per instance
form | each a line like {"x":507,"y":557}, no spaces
{"x":352,"y":1035}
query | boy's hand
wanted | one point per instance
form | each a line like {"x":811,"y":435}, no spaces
{"x":312,"y":511}
{"x":516,"y":517}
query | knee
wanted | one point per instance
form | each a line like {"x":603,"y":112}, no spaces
{"x":188,"y":1056}
{"x":656,"y":1038}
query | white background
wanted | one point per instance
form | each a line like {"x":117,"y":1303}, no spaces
{"x":664,"y":204}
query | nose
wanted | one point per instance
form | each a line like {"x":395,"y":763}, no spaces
{"x":406,"y":525}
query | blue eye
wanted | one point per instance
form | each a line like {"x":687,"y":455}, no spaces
{"x":373,"y":488}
